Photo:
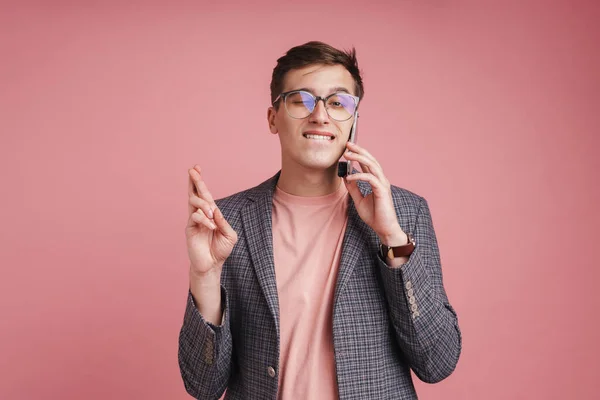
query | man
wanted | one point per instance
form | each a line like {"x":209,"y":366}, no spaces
{"x":312,"y":286}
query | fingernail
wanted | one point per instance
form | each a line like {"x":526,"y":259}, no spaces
{"x":210,"y":214}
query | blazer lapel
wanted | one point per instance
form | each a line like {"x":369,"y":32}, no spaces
{"x":354,"y":244}
{"x":258,"y":227}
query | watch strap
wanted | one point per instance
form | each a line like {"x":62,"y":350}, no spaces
{"x":398,"y":251}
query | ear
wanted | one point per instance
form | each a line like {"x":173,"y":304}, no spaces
{"x":271,"y":114}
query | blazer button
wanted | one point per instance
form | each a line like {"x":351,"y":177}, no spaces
{"x":409,"y":285}
{"x":271,"y":372}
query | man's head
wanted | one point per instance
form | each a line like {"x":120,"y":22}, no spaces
{"x":320,"y":71}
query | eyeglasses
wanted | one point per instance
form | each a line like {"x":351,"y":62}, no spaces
{"x":300,"y":104}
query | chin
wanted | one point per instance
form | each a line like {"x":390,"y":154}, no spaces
{"x":321,"y":165}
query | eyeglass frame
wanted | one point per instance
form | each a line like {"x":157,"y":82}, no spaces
{"x":317,"y":99}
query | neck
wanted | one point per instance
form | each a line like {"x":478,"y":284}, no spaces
{"x":301,"y":181}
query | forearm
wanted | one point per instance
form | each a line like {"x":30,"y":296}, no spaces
{"x":426,"y":326}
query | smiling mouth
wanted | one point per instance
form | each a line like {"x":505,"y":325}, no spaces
{"x":318,"y":137}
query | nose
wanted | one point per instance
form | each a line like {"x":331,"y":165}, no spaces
{"x":319,"y":114}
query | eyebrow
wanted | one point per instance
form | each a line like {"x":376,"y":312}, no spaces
{"x":336,"y":89}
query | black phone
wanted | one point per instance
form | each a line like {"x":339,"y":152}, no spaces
{"x":345,"y":167}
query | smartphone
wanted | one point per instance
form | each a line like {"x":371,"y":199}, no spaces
{"x":345,"y":167}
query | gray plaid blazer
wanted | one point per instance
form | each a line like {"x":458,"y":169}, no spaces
{"x":385,"y":321}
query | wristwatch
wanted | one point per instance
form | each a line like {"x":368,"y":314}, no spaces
{"x":398,"y":251}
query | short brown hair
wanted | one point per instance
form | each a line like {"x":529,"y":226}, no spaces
{"x":315,"y":53}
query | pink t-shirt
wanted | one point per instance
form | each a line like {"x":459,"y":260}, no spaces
{"x":307,"y":238}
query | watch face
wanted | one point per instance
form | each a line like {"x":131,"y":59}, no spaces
{"x":384,"y":251}
{"x":390,"y":253}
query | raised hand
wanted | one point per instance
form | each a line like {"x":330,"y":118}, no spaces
{"x":210,"y":238}
{"x":377,"y":208}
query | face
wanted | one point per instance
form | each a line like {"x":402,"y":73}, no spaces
{"x":302,"y":140}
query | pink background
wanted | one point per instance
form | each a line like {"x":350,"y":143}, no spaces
{"x":490,"y":110}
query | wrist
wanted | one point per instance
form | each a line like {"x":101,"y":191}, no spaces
{"x":398,"y":238}
{"x":205,"y":278}
{"x":206,"y":292}
{"x":397,"y":249}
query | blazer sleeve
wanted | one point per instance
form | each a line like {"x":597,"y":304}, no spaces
{"x":205,"y":352}
{"x":425,"y":324}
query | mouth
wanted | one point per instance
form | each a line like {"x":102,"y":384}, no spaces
{"x":324,"y":136}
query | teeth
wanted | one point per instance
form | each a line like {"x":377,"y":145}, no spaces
{"x":319,"y":137}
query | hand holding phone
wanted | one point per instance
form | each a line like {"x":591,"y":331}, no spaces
{"x":345,"y":167}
